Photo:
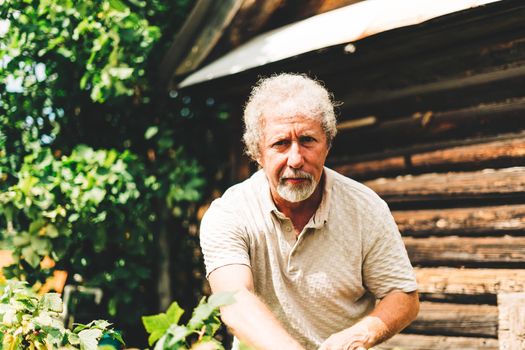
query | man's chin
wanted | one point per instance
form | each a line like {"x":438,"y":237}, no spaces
{"x":295,"y":195}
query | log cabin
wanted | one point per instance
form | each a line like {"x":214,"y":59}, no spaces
{"x":432,"y":119}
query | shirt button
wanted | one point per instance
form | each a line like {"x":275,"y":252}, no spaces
{"x":288,"y":228}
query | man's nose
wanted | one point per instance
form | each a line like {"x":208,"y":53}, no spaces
{"x":295,"y":157}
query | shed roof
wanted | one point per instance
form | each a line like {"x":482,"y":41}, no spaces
{"x":340,"y":26}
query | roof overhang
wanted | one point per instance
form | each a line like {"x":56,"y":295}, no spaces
{"x":340,"y":26}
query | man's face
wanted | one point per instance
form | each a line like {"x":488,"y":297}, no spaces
{"x":292,"y":153}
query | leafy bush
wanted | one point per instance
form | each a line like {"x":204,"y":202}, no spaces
{"x":59,"y":208}
{"x":84,"y":73}
{"x":165,"y":331}
{"x":32,"y":322}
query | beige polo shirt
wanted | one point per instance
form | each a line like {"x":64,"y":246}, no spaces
{"x":349,"y":254}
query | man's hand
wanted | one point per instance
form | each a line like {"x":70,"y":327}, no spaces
{"x":357,"y":337}
{"x":351,"y":338}
{"x":393,"y":313}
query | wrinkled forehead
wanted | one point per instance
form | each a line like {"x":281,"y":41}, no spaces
{"x":278,"y":127}
{"x":290,"y":109}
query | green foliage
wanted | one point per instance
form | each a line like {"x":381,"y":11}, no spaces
{"x":165,"y":331}
{"x":29,"y":321}
{"x":108,"y":40}
{"x":96,"y":160}
{"x":59,"y":208}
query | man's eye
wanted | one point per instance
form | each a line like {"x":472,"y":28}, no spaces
{"x":279,"y":143}
{"x":306,"y":139}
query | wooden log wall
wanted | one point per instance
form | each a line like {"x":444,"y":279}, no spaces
{"x":433,"y":119}
{"x":440,"y":135}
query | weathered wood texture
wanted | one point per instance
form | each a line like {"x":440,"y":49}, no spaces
{"x":456,"y":319}
{"x":466,"y":250}
{"x":500,"y":150}
{"x":511,"y":321}
{"x":470,"y":281}
{"x":451,"y":92}
{"x":251,"y":18}
{"x":433,"y":125}
{"x":477,"y":156}
{"x":451,"y":185}
{"x":425,"y":342}
{"x":462,"y":221}
{"x":221,"y":15}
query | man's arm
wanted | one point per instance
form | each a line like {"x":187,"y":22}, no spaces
{"x":248,"y":318}
{"x":393,"y":313}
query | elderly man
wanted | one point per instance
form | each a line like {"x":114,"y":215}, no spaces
{"x":306,"y":250}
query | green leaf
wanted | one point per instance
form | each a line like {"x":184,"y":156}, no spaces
{"x":221,"y":299}
{"x":51,"y":231}
{"x":174,"y":312}
{"x":51,"y":302}
{"x":21,"y":239}
{"x":211,"y":344}
{"x":204,"y":310}
{"x":178,"y":334}
{"x":118,"y":5}
{"x":152,"y":131}
{"x":156,"y":325}
{"x":31,"y":256}
{"x":200,"y":313}
{"x":36,"y":225}
{"x":73,"y":339}
{"x":116,"y":335}
{"x":41,"y":246}
{"x":89,"y":339}
{"x":121,"y":72}
{"x":96,"y":195}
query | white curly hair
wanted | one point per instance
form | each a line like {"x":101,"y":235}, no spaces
{"x":287,"y":94}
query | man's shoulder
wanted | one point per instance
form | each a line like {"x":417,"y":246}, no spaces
{"x":248,"y":187}
{"x":347,"y":187}
{"x":241,"y":195}
{"x":355,"y":198}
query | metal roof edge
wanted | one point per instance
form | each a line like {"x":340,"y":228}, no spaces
{"x":358,"y":20}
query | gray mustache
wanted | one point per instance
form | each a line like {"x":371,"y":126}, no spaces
{"x":296,"y":174}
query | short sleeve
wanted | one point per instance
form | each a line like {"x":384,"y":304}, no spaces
{"x":223,"y":239}
{"x":386,"y":266}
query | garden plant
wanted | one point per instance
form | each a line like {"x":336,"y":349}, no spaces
{"x":99,"y":171}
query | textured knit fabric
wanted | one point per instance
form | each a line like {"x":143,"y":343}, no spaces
{"x":349,"y":254}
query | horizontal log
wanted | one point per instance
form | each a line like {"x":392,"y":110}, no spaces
{"x":499,"y":150}
{"x":498,"y":183}
{"x":374,"y":168}
{"x":470,"y":281}
{"x":455,"y":91}
{"x":462,"y":221}
{"x":465,"y":250}
{"x":479,"y":299}
{"x":426,"y":342}
{"x":501,"y":153}
{"x":432,"y":125}
{"x":456,"y":320}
